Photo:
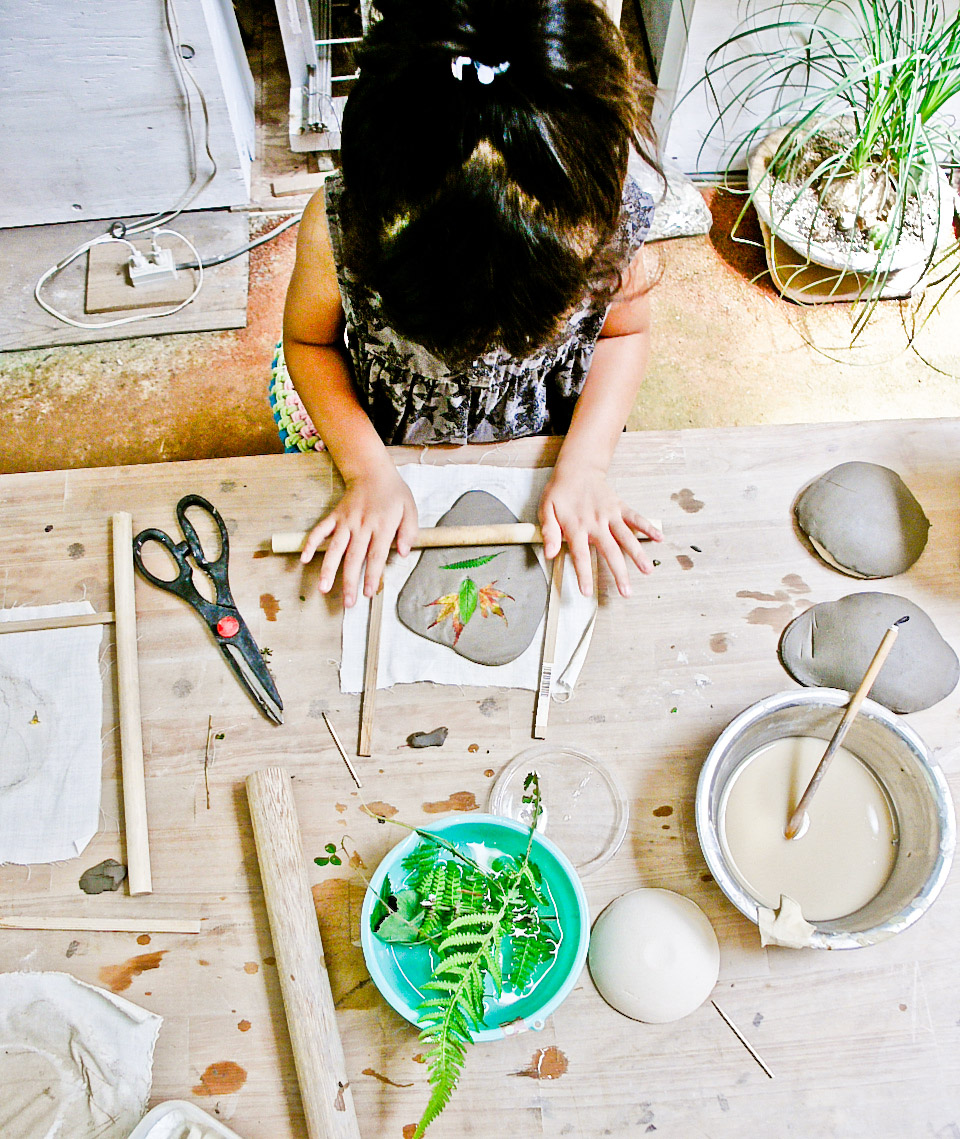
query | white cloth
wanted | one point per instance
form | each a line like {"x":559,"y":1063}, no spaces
{"x":50,"y":750}
{"x":76,"y":1062}
{"x":406,"y":658}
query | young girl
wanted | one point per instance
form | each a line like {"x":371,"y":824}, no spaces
{"x":480,"y":249}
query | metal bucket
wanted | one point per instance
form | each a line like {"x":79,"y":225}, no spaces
{"x":901,"y":762}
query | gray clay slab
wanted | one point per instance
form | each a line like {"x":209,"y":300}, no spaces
{"x":831,"y":645}
{"x":514,"y":571}
{"x":863,"y":519}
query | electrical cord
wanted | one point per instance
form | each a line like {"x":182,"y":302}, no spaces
{"x":102,"y":240}
{"x":208,"y":262}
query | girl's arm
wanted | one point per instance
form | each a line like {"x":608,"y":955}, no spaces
{"x":376,"y":506}
{"x":578,"y":505}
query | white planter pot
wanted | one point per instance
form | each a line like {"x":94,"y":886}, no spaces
{"x":809,"y":272}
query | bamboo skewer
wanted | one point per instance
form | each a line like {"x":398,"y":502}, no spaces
{"x":128,"y":687}
{"x":66,"y":621}
{"x":307,"y":999}
{"x":542,"y":706}
{"x":371,"y":661}
{"x":103,"y":925}
{"x":340,"y":748}
{"x":795,"y":822}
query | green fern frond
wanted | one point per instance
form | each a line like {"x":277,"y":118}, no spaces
{"x":472,"y":563}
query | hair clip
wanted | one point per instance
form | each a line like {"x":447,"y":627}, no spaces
{"x":485,"y":73}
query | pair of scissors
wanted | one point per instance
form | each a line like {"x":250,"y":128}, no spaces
{"x":222,"y":616}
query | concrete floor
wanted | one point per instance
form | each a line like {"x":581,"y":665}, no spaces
{"x":726,"y":351}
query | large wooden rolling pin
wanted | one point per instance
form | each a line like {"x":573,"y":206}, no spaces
{"x":494,"y":534}
{"x":307,"y":999}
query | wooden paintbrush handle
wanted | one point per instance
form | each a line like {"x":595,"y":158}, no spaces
{"x":796,"y":819}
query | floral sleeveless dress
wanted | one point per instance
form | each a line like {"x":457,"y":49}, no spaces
{"x":412,"y":397}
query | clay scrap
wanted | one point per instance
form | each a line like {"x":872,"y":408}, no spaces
{"x":106,"y":875}
{"x":484,"y":602}
{"x":862,"y":519}
{"x":831,"y":645}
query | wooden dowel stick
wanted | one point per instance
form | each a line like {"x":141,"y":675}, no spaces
{"x":311,"y":1019}
{"x":795,"y":821}
{"x":104,"y":925}
{"x":542,"y":705}
{"x":437,"y":537}
{"x":67,"y":621}
{"x":139,"y":880}
{"x":371,"y":661}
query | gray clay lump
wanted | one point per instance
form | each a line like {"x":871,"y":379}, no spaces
{"x":863,"y":519}
{"x":831,"y":645}
{"x":484,"y":602}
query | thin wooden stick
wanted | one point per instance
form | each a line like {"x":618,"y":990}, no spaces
{"x":340,"y":748}
{"x":551,"y":624}
{"x":104,"y":925}
{"x":371,"y":662}
{"x":67,"y":621}
{"x":307,"y":999}
{"x":743,"y":1040}
{"x":795,"y":822}
{"x":437,"y":537}
{"x":139,"y":878}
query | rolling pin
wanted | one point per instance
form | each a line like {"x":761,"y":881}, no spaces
{"x":434,"y":537}
{"x":307,"y":999}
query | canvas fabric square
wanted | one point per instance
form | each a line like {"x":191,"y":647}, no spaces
{"x":51,"y":698}
{"x":76,"y":1062}
{"x":406,"y":658}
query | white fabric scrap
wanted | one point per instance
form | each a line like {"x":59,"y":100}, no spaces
{"x":50,"y":750}
{"x":406,"y":658}
{"x":76,"y":1062}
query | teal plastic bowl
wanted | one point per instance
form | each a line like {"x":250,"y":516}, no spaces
{"x":398,"y":971}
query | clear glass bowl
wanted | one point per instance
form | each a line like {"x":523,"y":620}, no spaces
{"x":584,"y":809}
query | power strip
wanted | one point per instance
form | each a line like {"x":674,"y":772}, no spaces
{"x":147,"y":269}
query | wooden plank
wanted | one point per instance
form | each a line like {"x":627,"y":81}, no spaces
{"x":27,"y":253}
{"x":108,"y":287}
{"x":668,"y":668}
{"x":95,"y":123}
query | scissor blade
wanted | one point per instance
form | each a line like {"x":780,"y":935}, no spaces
{"x":263,"y":691}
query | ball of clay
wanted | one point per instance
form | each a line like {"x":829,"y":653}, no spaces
{"x":831,"y":646}
{"x":863,"y":520}
{"x":653,"y":955}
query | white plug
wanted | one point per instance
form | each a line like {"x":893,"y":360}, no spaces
{"x":149,"y":268}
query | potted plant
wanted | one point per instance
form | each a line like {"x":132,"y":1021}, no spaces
{"x":845,"y":167}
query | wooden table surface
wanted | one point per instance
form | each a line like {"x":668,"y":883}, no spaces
{"x":862,"y":1043}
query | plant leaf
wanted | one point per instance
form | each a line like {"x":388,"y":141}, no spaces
{"x":472,"y":563}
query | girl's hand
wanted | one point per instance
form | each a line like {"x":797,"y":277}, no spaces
{"x":375,"y":509}
{"x":581,"y":508}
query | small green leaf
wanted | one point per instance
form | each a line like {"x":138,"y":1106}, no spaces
{"x":467,"y":600}
{"x":331,"y":848}
{"x":403,"y":925}
{"x":473,"y":563}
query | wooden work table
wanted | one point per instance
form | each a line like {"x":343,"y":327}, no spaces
{"x":862,"y":1043}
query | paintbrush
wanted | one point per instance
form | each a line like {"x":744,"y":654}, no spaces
{"x":795,"y":822}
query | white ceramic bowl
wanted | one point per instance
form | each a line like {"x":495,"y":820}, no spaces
{"x":897,"y":757}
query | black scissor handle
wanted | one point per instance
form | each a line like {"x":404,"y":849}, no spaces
{"x":216,"y":567}
{"x":182,"y":583}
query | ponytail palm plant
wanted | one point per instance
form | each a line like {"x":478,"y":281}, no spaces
{"x":859,"y":90}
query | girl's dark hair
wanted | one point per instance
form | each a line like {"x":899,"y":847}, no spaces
{"x":480,"y":213}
